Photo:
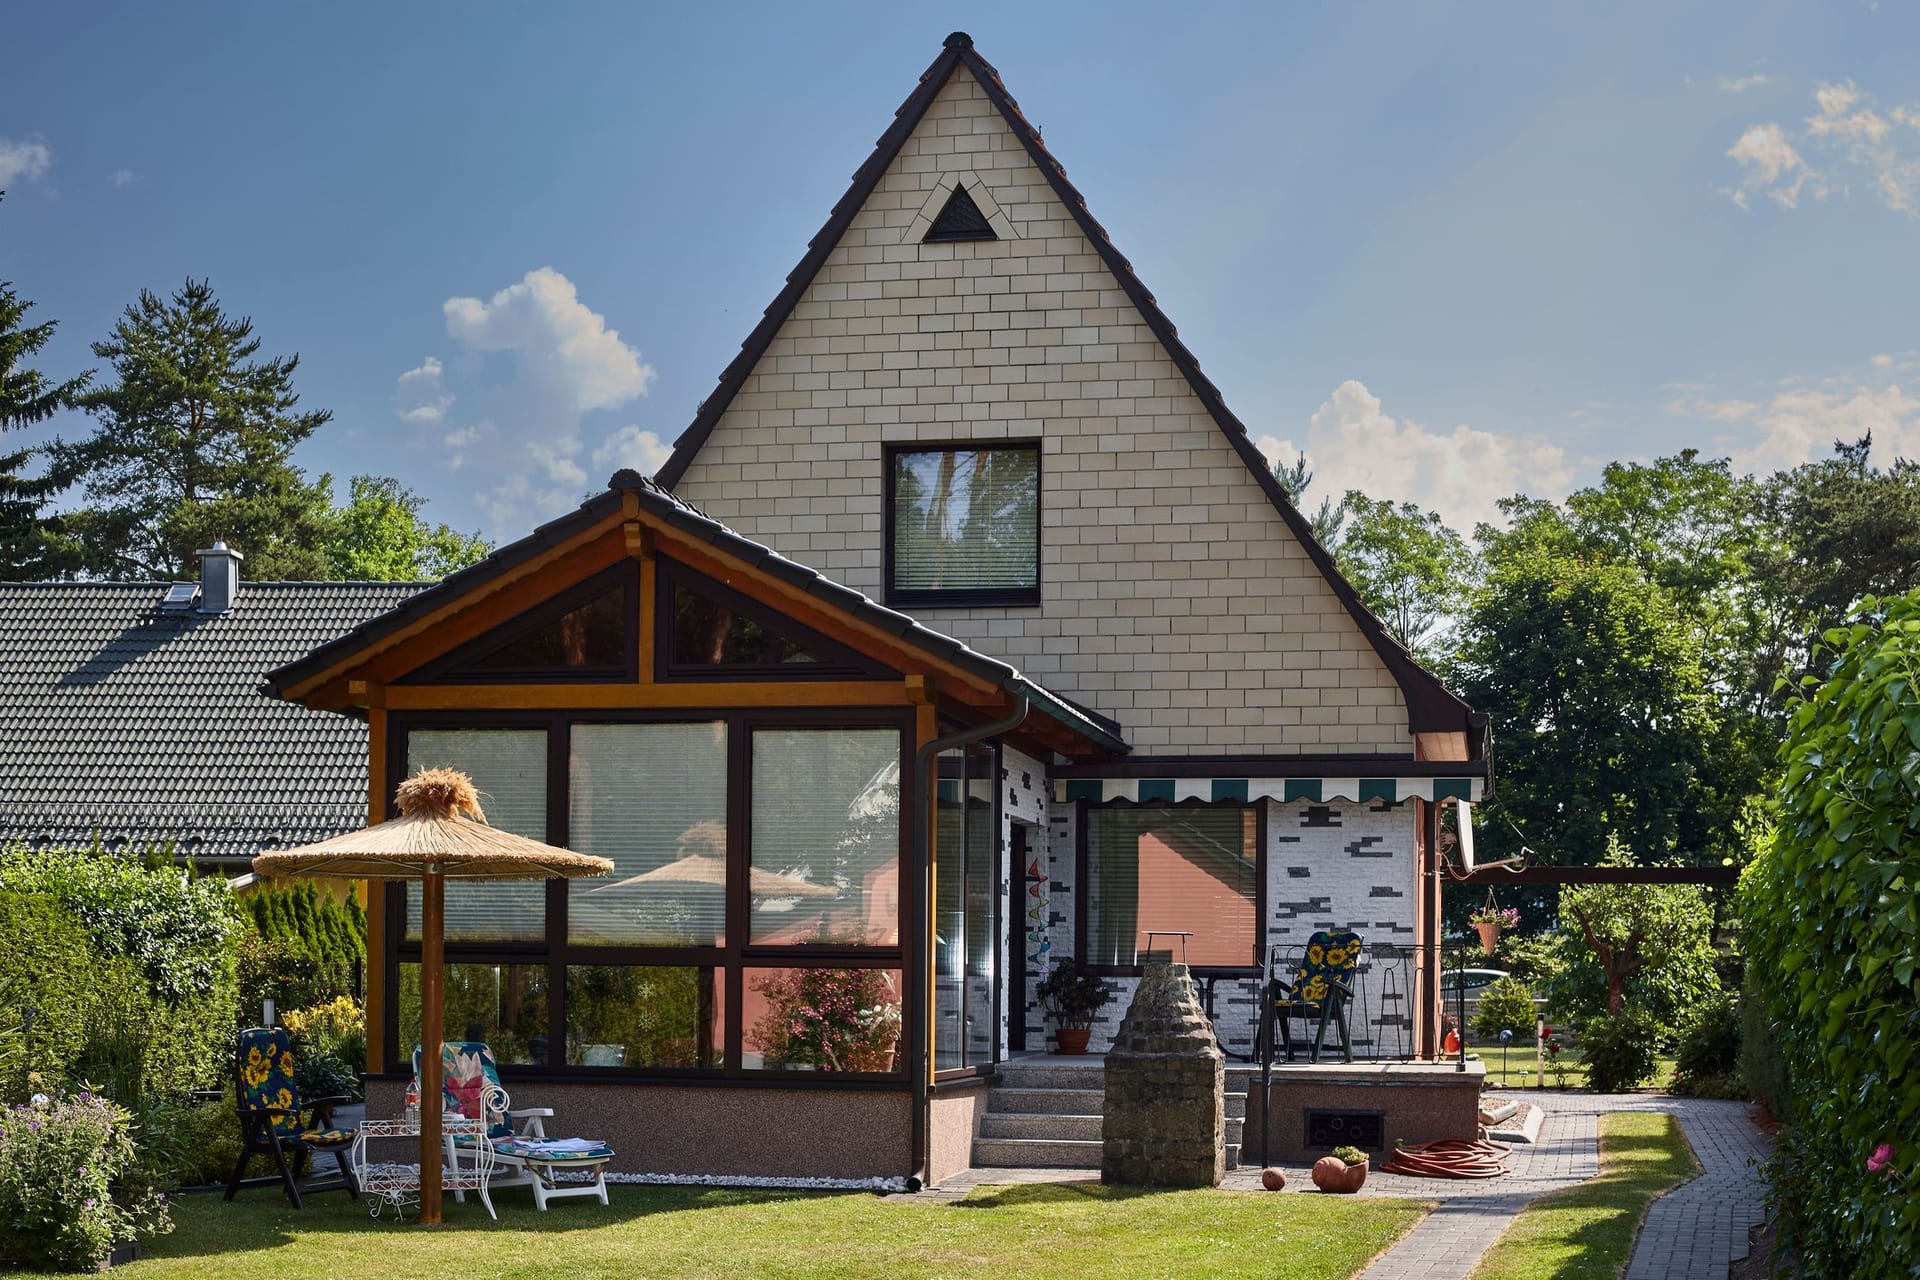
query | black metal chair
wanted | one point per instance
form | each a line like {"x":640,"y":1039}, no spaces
{"x":1320,"y":991}
{"x":273,"y":1121}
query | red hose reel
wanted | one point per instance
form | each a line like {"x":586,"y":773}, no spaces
{"x":1450,"y":1158}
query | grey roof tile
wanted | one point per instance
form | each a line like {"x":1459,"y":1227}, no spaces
{"x":143,"y":727}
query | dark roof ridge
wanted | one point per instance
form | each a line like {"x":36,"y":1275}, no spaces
{"x":1431,"y":705}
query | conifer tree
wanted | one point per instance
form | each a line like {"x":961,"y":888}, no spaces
{"x":195,"y":442}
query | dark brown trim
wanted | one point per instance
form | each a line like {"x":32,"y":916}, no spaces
{"x":969,"y":597}
{"x":1431,"y":706}
{"x":1598,"y":875}
{"x":1081,"y":826}
{"x":1332,"y":766}
{"x":837,"y":662}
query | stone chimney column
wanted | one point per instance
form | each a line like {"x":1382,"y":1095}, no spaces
{"x":219,"y":577}
{"x":1165,"y":1122}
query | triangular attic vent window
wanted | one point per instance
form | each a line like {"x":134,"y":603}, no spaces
{"x":961,"y":219}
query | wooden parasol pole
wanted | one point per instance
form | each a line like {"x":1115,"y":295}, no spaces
{"x":432,"y":1101}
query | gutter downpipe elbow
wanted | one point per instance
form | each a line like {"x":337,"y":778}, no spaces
{"x":923,"y":857}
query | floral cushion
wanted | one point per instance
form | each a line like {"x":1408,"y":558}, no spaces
{"x":327,"y":1137}
{"x":1332,"y":956}
{"x":469,"y":1080}
{"x":266,"y":1078}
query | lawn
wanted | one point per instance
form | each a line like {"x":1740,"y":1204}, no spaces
{"x":1587,"y":1231}
{"x":1518,"y":1072}
{"x":1050,"y":1231}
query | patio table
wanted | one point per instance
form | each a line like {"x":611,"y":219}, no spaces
{"x":386,"y":1184}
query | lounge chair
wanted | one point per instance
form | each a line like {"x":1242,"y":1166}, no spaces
{"x":1320,"y":990}
{"x":272,"y":1119}
{"x":524,"y":1155}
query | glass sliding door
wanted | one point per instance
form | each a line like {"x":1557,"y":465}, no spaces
{"x":966,"y":911}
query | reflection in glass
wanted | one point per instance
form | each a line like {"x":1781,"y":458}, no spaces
{"x":1162,"y":870}
{"x":806,"y":1019}
{"x":826,"y":837}
{"x":652,"y":797}
{"x":504,"y":1005}
{"x":644,"y":1016}
{"x":966,"y":519}
{"x":592,"y":636}
{"x":708,"y":634}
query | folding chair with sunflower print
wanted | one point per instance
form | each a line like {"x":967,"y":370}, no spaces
{"x":1321,"y":988}
{"x":273,"y":1120}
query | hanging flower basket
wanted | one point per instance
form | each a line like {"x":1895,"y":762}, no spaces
{"x":1489,"y":935}
{"x":1492,"y":920}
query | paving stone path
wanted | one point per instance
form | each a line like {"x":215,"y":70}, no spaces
{"x":1692,"y":1233}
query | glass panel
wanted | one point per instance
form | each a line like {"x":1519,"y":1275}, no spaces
{"x":708,"y":634}
{"x":966,"y":519}
{"x":826,"y":837}
{"x":503,"y":1004}
{"x":645,"y":1016}
{"x":1171,"y":869}
{"x":949,"y":914}
{"x":821,"y":1019}
{"x":509,"y":766}
{"x":594,"y":635}
{"x":982,"y":842}
{"x":652,"y":797}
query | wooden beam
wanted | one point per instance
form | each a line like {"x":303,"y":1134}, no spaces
{"x":376,"y":897}
{"x":366,"y":693}
{"x":917,"y":691}
{"x":1598,"y":875}
{"x":694,"y":694}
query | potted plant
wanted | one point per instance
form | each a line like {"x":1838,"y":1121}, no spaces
{"x":1072,"y":996}
{"x":1343,"y":1172}
{"x":1489,"y":921}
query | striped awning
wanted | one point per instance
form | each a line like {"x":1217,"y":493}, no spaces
{"x":1391,"y":790}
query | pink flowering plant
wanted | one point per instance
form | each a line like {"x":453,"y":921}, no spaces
{"x":1505,"y":917}
{"x":828,"y":1019}
{"x":1881,"y":1161}
{"x":71,"y":1186}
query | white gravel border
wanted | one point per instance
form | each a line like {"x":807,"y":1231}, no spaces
{"x":886,"y":1185}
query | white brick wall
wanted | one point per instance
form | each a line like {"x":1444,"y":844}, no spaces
{"x":1174,"y":598}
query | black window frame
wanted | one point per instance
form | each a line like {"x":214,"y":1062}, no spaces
{"x":963,"y":597}
{"x":453,"y":666}
{"x":732,"y":960}
{"x":837,"y":661}
{"x":1082,"y":829}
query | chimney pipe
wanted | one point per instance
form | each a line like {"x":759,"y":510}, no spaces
{"x":219,"y":577}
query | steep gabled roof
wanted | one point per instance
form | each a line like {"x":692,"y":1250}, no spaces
{"x":143,"y":725}
{"x":1431,"y":706}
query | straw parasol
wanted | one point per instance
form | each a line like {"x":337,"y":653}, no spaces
{"x":440,"y":835}
{"x":702,"y":870}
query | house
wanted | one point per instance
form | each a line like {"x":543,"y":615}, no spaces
{"x":965,"y":629}
{"x":130,"y":715}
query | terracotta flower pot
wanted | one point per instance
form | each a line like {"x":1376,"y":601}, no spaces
{"x":1332,"y":1174}
{"x":1489,"y":936}
{"x":1071,"y":1039}
{"x":1273,"y":1179}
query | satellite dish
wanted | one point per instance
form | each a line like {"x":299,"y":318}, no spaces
{"x":1463,"y":833}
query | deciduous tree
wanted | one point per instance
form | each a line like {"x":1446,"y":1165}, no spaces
{"x":380,"y":536}
{"x":1408,"y":566}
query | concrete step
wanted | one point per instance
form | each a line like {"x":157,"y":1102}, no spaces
{"x":1018,"y":1153}
{"x":1045,"y":1128}
{"x":1046,"y":1073}
{"x":1058,"y":1102}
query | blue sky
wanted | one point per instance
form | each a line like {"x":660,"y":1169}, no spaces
{"x":1453,"y":250}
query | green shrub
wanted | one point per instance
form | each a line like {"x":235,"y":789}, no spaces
{"x":1506,"y":1005}
{"x":1619,"y":1051}
{"x":49,"y":994}
{"x":328,"y":934}
{"x":1832,"y":925}
{"x":1709,"y":1048}
{"x":190,"y":1144}
{"x":71,"y":1184}
{"x":1763,"y":1065}
{"x":336,"y":1030}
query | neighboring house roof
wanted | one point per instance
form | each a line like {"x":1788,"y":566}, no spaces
{"x":1431,"y":706}
{"x":682,"y":515}
{"x":143,"y":726}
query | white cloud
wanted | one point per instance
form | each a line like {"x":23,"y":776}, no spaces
{"x":1804,"y":418}
{"x":1766,"y":157}
{"x":631,"y":447}
{"x":124,"y":178}
{"x":1853,"y":139}
{"x":555,"y":338}
{"x":1740,"y":84}
{"x":515,"y":406}
{"x":420,"y":395}
{"x":1463,"y":473}
{"x":26,"y":159}
{"x":1883,"y":361}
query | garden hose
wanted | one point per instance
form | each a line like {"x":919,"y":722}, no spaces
{"x":1450,"y":1158}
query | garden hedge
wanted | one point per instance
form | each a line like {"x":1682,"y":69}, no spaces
{"x":1830,"y":913}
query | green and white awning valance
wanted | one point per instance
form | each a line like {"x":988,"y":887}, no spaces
{"x":1225,"y":790}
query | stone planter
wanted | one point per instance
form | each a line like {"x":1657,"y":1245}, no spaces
{"x":1071,"y":1039}
{"x":1332,"y":1174}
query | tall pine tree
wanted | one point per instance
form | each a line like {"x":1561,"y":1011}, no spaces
{"x":30,"y":546}
{"x":195,"y":442}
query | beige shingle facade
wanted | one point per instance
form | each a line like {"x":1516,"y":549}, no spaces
{"x":1174,"y":597}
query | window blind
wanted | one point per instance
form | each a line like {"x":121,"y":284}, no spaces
{"x":1165,"y":870}
{"x":966,"y":519}
{"x":509,"y":767}
{"x":826,"y":837}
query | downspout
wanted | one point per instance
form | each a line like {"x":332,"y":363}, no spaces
{"x":923,"y":858}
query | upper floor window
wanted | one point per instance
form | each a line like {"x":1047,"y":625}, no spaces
{"x":964,"y":525}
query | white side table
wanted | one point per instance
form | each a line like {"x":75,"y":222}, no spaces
{"x":390,"y":1184}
